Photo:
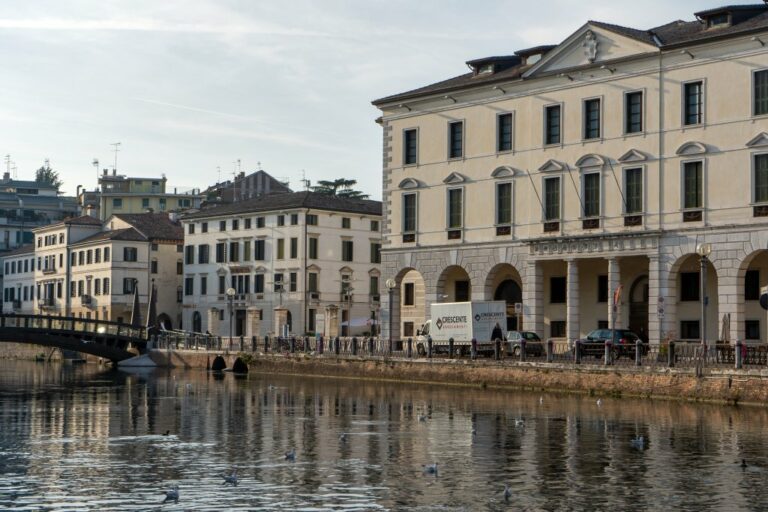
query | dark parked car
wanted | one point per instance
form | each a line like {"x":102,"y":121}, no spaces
{"x":623,"y":342}
{"x":533,"y":345}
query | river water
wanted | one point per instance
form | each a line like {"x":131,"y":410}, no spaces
{"x":85,"y":438}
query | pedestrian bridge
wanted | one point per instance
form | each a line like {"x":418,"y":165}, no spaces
{"x":101,"y":338}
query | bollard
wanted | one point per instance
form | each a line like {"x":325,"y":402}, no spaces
{"x":639,"y":352}
{"x":550,"y":350}
{"x":429,"y":347}
{"x":266,"y":344}
{"x":370,"y":345}
{"x":253,"y":343}
{"x":671,"y":354}
{"x":497,"y":349}
{"x":738,"y":355}
{"x":473,"y":353}
{"x":450,"y":348}
{"x":293,"y":344}
{"x":241,"y":343}
{"x":409,"y":349}
{"x":354,"y":345}
{"x":522,"y":350}
{"x":337,"y":345}
{"x":577,"y":352}
{"x":306,"y":344}
{"x":608,"y":352}
{"x":320,"y":345}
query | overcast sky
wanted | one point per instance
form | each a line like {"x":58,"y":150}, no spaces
{"x":189,"y":86}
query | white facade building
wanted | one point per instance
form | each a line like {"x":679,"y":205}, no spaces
{"x":18,"y":280}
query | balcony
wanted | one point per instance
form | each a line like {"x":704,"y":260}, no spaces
{"x":49,"y":270}
{"x":86,"y":300}
{"x":47,"y":302}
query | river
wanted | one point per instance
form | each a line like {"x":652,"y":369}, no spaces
{"x":86,"y":438}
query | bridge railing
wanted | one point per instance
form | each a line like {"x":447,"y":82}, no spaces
{"x":73,"y":324}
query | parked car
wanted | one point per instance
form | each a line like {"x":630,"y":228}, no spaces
{"x":623,"y":342}
{"x":533,"y":345}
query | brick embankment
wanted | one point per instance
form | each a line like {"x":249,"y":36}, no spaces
{"x":716,"y":385}
{"x":27,"y":351}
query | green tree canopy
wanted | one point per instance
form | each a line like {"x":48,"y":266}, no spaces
{"x":340,"y":187}
{"x":47,"y":175}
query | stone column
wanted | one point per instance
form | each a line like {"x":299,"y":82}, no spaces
{"x":572,"y":301}
{"x":533,"y":299}
{"x":730,"y":299}
{"x":280,"y":314}
{"x":253,"y":322}
{"x":614,"y":280}
{"x":655,"y":317}
{"x":213,"y":322}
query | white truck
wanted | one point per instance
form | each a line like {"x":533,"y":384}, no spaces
{"x":463,"y":321}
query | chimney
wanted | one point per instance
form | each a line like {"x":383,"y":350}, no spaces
{"x":173,"y":216}
{"x":114,"y":172}
{"x":6,"y":177}
{"x":106,"y":172}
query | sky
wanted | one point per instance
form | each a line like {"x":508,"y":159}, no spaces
{"x":188,"y":88}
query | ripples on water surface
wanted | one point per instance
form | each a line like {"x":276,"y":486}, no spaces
{"x":85,"y":439}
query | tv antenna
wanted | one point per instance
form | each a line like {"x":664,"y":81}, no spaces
{"x":116,"y":146}
{"x":305,"y":181}
{"x":8,"y":164}
{"x":218,"y":171}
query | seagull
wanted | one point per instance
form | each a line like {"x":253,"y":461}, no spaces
{"x":430,"y":469}
{"x":638,"y":442}
{"x":519,"y":423}
{"x":231,"y":479}
{"x":291,"y":455}
{"x":507,"y":492}
{"x":541,"y":400}
{"x":599,"y":402}
{"x":743,"y":463}
{"x":474,"y":431}
{"x":343,"y":437}
{"x":167,"y":433}
{"x":422,"y":417}
{"x":172,"y":494}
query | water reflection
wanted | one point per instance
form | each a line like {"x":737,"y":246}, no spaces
{"x":78,"y":437}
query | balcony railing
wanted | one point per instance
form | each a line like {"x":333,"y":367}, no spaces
{"x":47,"y":302}
{"x":86,"y":300}
{"x":551,"y":227}
{"x":49,"y":270}
{"x":633,"y":220}
{"x":590,"y":223}
{"x":314,"y":296}
{"x":760,"y":210}
{"x":692,"y":216}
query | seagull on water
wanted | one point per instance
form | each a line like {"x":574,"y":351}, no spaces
{"x":638,"y":442}
{"x":291,"y":455}
{"x":172,"y":494}
{"x":541,"y":400}
{"x":519,"y":423}
{"x":743,"y":463}
{"x":167,"y":433}
{"x":599,"y":402}
{"x":507,"y":492}
{"x":430,"y":469}
{"x":231,"y":479}
{"x":343,"y":437}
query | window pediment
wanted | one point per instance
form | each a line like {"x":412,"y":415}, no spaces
{"x":758,"y":141}
{"x":455,"y":178}
{"x":552,"y":166}
{"x":633,"y":155}
{"x":313,"y":268}
{"x":504,"y":171}
{"x":345,"y":270}
{"x":691,"y":148}
{"x":591,"y":160}
{"x":409,"y":183}
{"x":260,"y":269}
{"x":374,"y":272}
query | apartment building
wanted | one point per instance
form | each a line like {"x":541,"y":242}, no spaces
{"x":619,"y":159}
{"x":18,"y":268}
{"x":298,"y":263}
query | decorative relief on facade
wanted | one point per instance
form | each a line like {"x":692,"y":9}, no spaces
{"x":633,"y":155}
{"x":691,"y":148}
{"x":590,"y":45}
{"x":551,"y":166}
{"x":760,"y":140}
{"x":455,"y":178}
{"x":593,"y":245}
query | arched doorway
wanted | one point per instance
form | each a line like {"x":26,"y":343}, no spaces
{"x":409,"y":303}
{"x":197,"y":322}
{"x":638,"y":307}
{"x":164,"y":322}
{"x":511,"y":293}
{"x":289,"y":320}
{"x":685,"y":279}
{"x":453,"y":285}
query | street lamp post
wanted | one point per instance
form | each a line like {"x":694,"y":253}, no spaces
{"x":231,"y":305}
{"x":391,"y":284}
{"x":704,"y":250}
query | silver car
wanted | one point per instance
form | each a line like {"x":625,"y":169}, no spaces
{"x":533,"y":344}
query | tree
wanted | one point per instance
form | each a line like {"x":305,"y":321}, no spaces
{"x":340,"y":187}
{"x":48,"y":176}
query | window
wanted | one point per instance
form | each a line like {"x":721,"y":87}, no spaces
{"x":293,"y":280}
{"x":761,"y":178}
{"x":410,"y":147}
{"x":718,"y":19}
{"x":592,"y":194}
{"x":106,"y":254}
{"x":692,"y":185}
{"x":409,"y":213}
{"x":557,"y":290}
{"x":222,"y":225}
{"x":294,"y":219}
{"x":203,"y":285}
{"x":689,"y":329}
{"x":375,"y":225}
{"x":220,"y":252}
{"x":246,"y":250}
{"x":504,"y":132}
{"x":313,"y":243}
{"x":455,"y":212}
{"x":280,"y":248}
{"x":633,"y":112}
{"x":461,"y":291}
{"x":129,"y":285}
{"x":294,"y":248}
{"x":129,"y":254}
{"x":235,"y":224}
{"x":234,"y":251}
{"x":346,"y":223}
{"x":258,"y":250}
{"x":752,"y":285}
{"x":373,"y":285}
{"x":602,"y":288}
{"x":96,"y":256}
{"x":89,"y":256}
{"x":97,"y":286}
{"x":552,"y":198}
{"x":312,"y":282}
{"x":375,"y":252}
{"x":117,"y":203}
{"x":281,"y":220}
{"x":258,"y":283}
{"x":153,"y":267}
{"x":311,"y":219}
{"x":504,"y":203}
{"x":633,"y":184}
{"x":409,"y":294}
{"x":162,"y":204}
{"x":222,"y":285}
{"x":179,"y":268}
{"x":408,"y":329}
{"x":260,"y":223}
{"x":557,"y":329}
{"x":347,"y":250}
{"x":456,"y":139}
{"x":760,"y":93}
{"x":752,"y":329}
{"x":592,"y":119}
{"x":278,"y":282}
{"x":189,"y":286}
{"x":689,"y":286}
{"x":693,"y":106}
{"x":204,"y":227}
{"x":552,"y":124}
{"x":203,"y":253}
{"x":81,"y":258}
{"x":189,"y":255}
{"x":191,"y":229}
{"x":312,"y":321}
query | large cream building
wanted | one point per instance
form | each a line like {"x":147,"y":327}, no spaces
{"x":555,"y":175}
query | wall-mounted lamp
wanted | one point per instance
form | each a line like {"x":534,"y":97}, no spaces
{"x":450,"y":98}
{"x":403,"y":105}
{"x":498,"y":88}
{"x":686,"y":52}
{"x":564,"y":75}
{"x":758,"y":40}
{"x":610,"y":70}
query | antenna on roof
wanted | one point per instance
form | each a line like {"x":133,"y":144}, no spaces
{"x":116,"y":145}
{"x":15,"y":174}
{"x":308,"y":183}
{"x":8,"y":164}
{"x":218,"y":171}
{"x":258,"y":164}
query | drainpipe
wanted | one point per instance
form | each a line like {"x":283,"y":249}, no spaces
{"x":68,"y":276}
{"x":305,"y":299}
{"x":661,"y":141}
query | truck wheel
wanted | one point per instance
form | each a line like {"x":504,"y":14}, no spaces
{"x":516,"y":352}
